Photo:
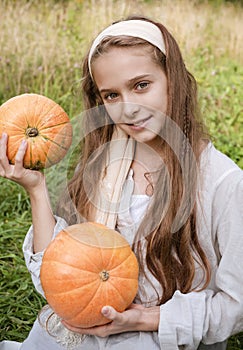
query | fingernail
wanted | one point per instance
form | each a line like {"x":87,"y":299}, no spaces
{"x":23,"y":142}
{"x":4,"y":135}
{"x":105,"y":311}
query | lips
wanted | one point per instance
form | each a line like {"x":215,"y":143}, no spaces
{"x":140,"y":124}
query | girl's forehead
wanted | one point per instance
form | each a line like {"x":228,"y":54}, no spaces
{"x":122,"y":65}
{"x":117,"y":52}
{"x":123,"y":56}
{"x":127,"y":48}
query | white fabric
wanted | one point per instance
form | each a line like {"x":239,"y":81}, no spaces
{"x":131,"y":212}
{"x":9,"y":345}
{"x":33,"y":261}
{"x":210,"y":316}
{"x":118,"y":163}
{"x":135,"y":28}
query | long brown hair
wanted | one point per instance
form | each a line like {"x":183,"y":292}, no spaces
{"x":170,"y":256}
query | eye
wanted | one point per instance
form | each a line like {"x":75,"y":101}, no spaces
{"x":142,"y":85}
{"x":110,"y":96}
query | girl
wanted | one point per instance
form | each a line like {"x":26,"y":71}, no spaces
{"x":149,"y":170}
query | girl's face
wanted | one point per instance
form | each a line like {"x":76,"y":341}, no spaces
{"x":134,"y":90}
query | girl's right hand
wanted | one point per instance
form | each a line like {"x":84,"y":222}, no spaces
{"x":29,"y":179}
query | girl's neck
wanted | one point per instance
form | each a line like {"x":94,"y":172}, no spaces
{"x":146,"y":164}
{"x":149,"y":156}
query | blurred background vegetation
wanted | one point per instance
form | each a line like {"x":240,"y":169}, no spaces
{"x":42,"y":46}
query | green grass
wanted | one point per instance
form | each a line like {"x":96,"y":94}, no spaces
{"x":42,"y":44}
{"x":220,"y":91}
{"x":19,"y":303}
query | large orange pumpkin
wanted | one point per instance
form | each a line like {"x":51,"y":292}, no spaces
{"x":86,"y":267}
{"x":40,"y":121}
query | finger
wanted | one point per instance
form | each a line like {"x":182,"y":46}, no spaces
{"x":87,"y":331}
{"x":19,"y":158}
{"x":135,"y":306}
{"x":3,"y":151}
{"x":2,"y":171}
{"x":4,"y":136}
{"x":71,"y":328}
{"x":110,"y":313}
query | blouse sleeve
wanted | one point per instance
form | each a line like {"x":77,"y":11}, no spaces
{"x":33,"y":260}
{"x":211,"y":316}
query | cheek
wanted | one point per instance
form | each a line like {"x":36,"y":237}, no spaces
{"x":157,"y":99}
{"x":115,"y":111}
{"x":162,"y":102}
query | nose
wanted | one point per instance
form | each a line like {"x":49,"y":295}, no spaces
{"x":130,"y":109}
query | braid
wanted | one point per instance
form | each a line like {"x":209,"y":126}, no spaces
{"x":186,"y":130}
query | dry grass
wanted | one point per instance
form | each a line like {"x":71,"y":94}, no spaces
{"x":194,"y":24}
{"x":38,"y":35}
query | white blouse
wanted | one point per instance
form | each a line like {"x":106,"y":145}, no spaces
{"x":209,"y":316}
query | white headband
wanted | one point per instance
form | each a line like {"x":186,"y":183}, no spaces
{"x":136,"y":28}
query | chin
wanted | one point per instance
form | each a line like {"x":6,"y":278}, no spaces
{"x":145,"y":138}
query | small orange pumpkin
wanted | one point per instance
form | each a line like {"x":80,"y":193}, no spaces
{"x":86,"y":267}
{"x":40,"y":121}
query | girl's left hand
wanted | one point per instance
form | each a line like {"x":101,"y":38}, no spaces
{"x":135,"y":318}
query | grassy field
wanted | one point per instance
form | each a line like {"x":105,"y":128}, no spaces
{"x":42,"y":45}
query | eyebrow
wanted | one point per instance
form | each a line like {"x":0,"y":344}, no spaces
{"x":130,"y":82}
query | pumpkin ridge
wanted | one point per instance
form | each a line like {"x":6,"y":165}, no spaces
{"x":15,"y":143}
{"x":111,"y":266}
{"x":102,"y":256}
{"x":34,"y":165}
{"x":31,"y":154}
{"x":118,"y":291}
{"x":35,"y":112}
{"x":10,"y":123}
{"x":53,"y":126}
{"x":79,"y":311}
{"x":42,"y":115}
{"x":74,"y":267}
{"x":74,"y":289}
{"x":41,"y":107}
{"x":103,"y":249}
{"x":90,"y":261}
{"x":123,"y":278}
{"x":95,"y":238}
{"x":121,"y":262}
{"x":84,"y":253}
{"x":48,"y":160}
{"x":25,"y":112}
{"x":57,"y":144}
{"x":87,"y":305}
{"x":11,"y":110}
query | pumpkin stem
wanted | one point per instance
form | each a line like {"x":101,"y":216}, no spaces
{"x":104,"y":275}
{"x":32,"y":132}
